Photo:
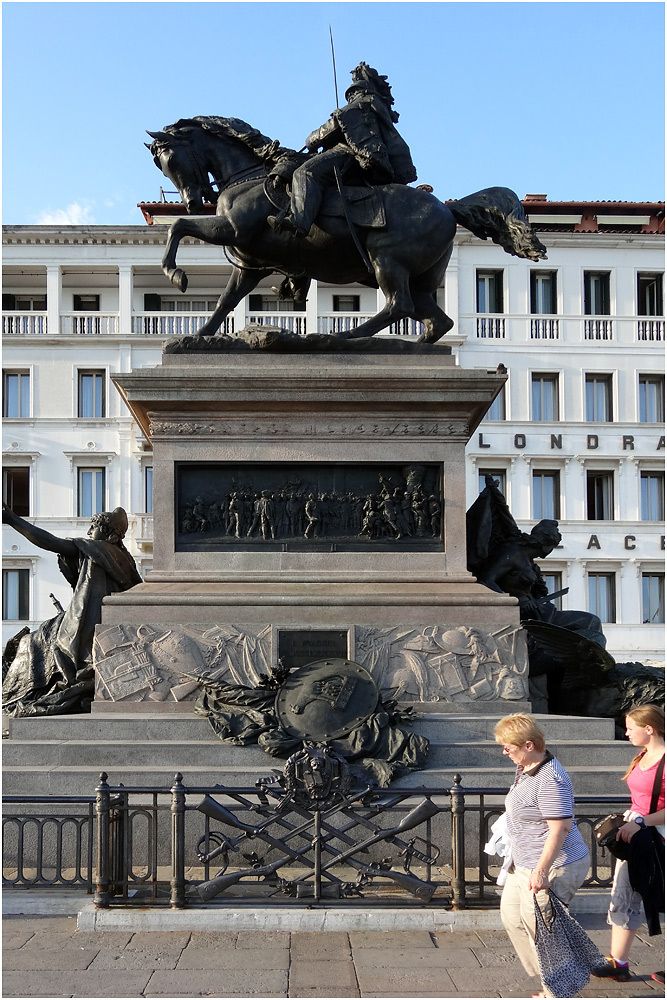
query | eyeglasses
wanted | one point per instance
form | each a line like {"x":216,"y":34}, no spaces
{"x":514,"y":746}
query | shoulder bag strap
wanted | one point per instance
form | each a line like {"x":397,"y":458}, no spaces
{"x":655,"y":794}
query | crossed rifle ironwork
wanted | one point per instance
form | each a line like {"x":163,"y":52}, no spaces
{"x":319,"y":834}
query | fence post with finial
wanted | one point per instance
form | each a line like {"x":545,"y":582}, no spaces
{"x":457,"y":797}
{"x":102,"y":808}
{"x":177,"y":899}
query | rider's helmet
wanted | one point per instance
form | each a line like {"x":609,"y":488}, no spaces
{"x":366,"y":80}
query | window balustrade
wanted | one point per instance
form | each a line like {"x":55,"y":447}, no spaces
{"x":23,"y":324}
{"x":171,"y":324}
{"x":491,"y":327}
{"x":89,"y":324}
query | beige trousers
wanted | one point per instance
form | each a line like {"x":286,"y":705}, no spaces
{"x":517,"y":910}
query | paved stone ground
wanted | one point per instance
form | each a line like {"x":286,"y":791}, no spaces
{"x":48,"y":957}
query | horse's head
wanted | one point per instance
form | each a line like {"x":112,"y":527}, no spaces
{"x":178,"y":155}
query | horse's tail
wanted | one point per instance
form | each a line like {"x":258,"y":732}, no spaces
{"x":498,"y":213}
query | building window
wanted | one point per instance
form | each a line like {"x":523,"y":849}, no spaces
{"x":148,"y":489}
{"x":346,"y":303}
{"x":554,"y":583}
{"x":602,"y":596}
{"x":651,"y":399}
{"x":543,"y":293}
{"x":652,"y":496}
{"x":497,"y":409}
{"x":30,"y":303}
{"x":15,"y":395}
{"x":86,"y":303}
{"x":162,"y":304}
{"x":92,"y":401}
{"x":596,"y":293}
{"x":546,"y":494}
{"x":599,"y":394}
{"x":91,"y":488}
{"x":498,"y":475}
{"x":489,"y":291}
{"x":545,"y":397}
{"x":16,"y":489}
{"x":649,"y":294}
{"x":599,"y":495}
{"x":269,"y":303}
{"x":15,"y":595}
{"x":653,"y":598}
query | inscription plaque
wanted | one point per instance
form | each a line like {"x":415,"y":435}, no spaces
{"x":308,"y":507}
{"x":297,"y":647}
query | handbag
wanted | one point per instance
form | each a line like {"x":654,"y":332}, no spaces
{"x":605,"y":831}
{"x":565,"y":953}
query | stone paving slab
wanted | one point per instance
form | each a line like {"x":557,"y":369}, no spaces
{"x":37,"y":960}
{"x":263,"y":939}
{"x":135,"y":959}
{"x":424,"y":982}
{"x":317,"y":946}
{"x":73,"y":984}
{"x":322,"y":975}
{"x":494,"y":957}
{"x":16,"y":939}
{"x":234,"y":983}
{"x":238,"y":959}
{"x":391,"y":939}
{"x":417,"y":958}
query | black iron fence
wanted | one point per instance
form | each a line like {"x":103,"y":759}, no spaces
{"x":48,"y":849}
{"x":186,"y":845}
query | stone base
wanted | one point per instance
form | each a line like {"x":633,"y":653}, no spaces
{"x":157,"y":640}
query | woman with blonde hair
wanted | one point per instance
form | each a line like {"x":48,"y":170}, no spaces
{"x":645,"y":777}
{"x":547,"y":849}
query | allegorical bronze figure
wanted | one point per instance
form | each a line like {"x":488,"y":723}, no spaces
{"x":375,"y":230}
{"x":571,"y":672}
{"x":52,"y":670}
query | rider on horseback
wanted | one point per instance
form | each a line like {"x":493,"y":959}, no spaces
{"x":360,"y":140}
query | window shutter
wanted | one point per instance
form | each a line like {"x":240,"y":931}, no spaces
{"x":8,"y":301}
{"x":152,"y":302}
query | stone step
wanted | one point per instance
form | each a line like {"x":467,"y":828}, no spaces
{"x":141,"y":727}
{"x":80,"y":780}
{"x":179,"y":755}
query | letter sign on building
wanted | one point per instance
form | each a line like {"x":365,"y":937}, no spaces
{"x":519,"y":440}
{"x":593,"y":543}
{"x":628,"y":442}
{"x":592,"y":441}
{"x":630,"y":541}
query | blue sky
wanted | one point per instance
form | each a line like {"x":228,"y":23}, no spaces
{"x":559,"y":98}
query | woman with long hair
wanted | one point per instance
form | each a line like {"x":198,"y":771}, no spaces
{"x":645,"y":728}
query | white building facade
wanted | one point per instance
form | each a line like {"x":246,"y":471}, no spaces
{"x":577,"y":435}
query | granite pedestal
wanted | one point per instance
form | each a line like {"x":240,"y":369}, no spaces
{"x":371,"y":429}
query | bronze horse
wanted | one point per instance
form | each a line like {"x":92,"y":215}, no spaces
{"x":407,"y":255}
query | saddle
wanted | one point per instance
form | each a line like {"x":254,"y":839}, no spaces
{"x":365,"y":205}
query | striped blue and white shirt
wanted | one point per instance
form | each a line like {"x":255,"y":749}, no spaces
{"x":542,"y":792}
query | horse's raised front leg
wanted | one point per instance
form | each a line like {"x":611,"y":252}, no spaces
{"x":394,"y":280}
{"x":240,"y":283}
{"x":210,"y":229}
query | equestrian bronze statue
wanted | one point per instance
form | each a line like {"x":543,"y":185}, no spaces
{"x":340,"y":212}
